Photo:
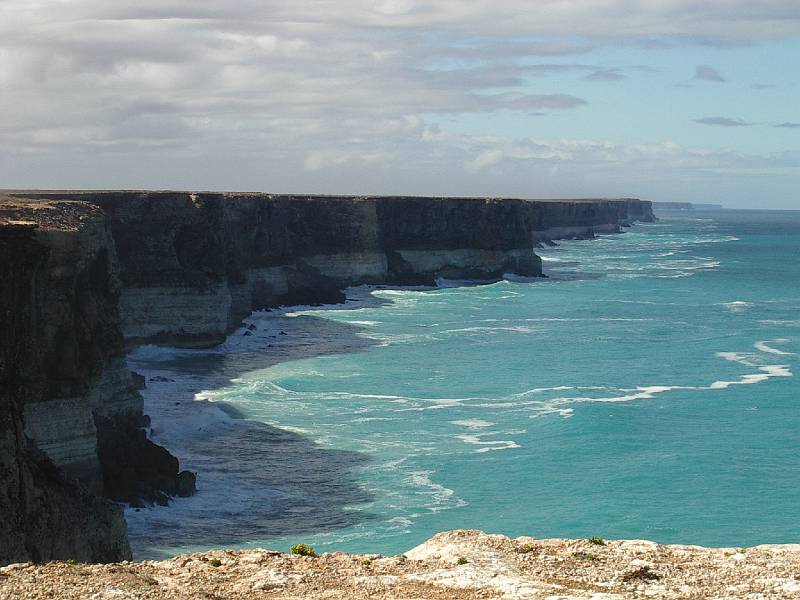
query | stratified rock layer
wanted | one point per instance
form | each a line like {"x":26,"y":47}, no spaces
{"x":57,"y":318}
{"x":193,"y":265}
{"x":451,"y":565}
{"x":65,"y":387}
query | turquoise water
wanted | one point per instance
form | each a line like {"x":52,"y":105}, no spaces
{"x":646,"y":389}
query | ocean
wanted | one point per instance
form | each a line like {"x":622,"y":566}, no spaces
{"x":645,"y":389}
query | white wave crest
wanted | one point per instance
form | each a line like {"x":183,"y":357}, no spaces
{"x":737,"y":306}
{"x":473,"y":423}
{"x":763,"y":347}
{"x":742,"y":358}
{"x":487,"y":445}
{"x":751,"y":378}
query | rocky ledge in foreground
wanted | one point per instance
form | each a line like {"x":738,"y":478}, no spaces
{"x":455,"y":564}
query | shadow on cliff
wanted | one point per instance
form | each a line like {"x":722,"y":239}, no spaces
{"x":256,"y":482}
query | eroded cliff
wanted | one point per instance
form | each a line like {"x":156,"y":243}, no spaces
{"x":71,"y":419}
{"x":193,"y":265}
{"x":85,"y":273}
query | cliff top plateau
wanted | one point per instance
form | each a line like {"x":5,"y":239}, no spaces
{"x":55,"y":215}
{"x":34,"y":193}
{"x":455,"y":564}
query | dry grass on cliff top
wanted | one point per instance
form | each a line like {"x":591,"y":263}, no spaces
{"x":456,"y":564}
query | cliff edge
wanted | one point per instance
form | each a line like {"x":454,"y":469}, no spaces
{"x":454,"y":564}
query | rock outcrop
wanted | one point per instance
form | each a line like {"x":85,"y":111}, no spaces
{"x":85,"y":273}
{"x":65,"y":387}
{"x":451,"y":565}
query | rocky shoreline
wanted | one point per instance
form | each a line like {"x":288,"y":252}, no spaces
{"x":88,"y":275}
{"x":455,"y":564}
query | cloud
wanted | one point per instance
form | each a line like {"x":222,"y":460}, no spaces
{"x":525,"y":102}
{"x":606,"y":75}
{"x":788,"y":125}
{"x":485,"y":159}
{"x":707,"y":73}
{"x":345,"y":95}
{"x":723,"y":122}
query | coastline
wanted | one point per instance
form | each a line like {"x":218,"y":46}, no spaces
{"x":726,"y":375}
{"x":265,"y":339}
{"x":184,"y":268}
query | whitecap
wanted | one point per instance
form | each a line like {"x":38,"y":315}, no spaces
{"x":488,"y":445}
{"x":751,"y":378}
{"x":473,"y":423}
{"x":639,"y":393}
{"x":737,"y":305}
{"x":763,"y":347}
{"x":739,"y":357}
{"x":781,"y":323}
{"x":478,"y":329}
{"x":443,"y":497}
{"x":562,"y":412}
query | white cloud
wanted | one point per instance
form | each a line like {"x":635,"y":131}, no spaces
{"x":336,"y":95}
{"x":486,"y":158}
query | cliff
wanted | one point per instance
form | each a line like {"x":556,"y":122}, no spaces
{"x":192,"y":265}
{"x":451,"y":565}
{"x":86,"y":273}
{"x":71,"y":418}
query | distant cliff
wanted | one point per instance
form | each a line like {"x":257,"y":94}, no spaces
{"x":686,"y":206}
{"x":85,"y":273}
{"x":193,"y":265}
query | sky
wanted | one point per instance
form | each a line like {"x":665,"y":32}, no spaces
{"x":671,"y":100}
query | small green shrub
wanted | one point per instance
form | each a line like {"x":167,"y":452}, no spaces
{"x":215,"y":562}
{"x":303,"y":550}
{"x":526,"y":548}
{"x":366,"y":562}
{"x":597,"y":541}
{"x":461,"y":561}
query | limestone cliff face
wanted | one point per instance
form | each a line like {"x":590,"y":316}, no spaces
{"x":193,"y":264}
{"x":551,"y":221}
{"x":65,"y":388}
{"x":57,"y":317}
